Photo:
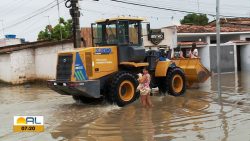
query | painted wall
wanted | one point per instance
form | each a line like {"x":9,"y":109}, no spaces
{"x":170,"y":39}
{"x":245,"y":58}
{"x":5,"y":71}
{"x":46,"y":60}
{"x":243,"y":37}
{"x":205,"y":56}
{"x":22,"y":66}
{"x":31,"y":64}
{"x":6,"y":42}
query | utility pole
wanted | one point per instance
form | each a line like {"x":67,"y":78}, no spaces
{"x":49,"y":25}
{"x":218,"y":45}
{"x":75,"y":14}
{"x":48,"y":20}
{"x":58,"y":12}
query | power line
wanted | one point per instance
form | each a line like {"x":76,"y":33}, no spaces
{"x":26,"y":19}
{"x":169,"y":9}
{"x":206,"y":6}
{"x":9,"y":4}
{"x":206,"y":3}
{"x":38,"y":9}
{"x":13,"y":8}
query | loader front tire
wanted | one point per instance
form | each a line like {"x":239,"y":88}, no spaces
{"x":122,"y":90}
{"x":174,"y":83}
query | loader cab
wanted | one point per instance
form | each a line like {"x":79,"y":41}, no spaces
{"x":125,"y":33}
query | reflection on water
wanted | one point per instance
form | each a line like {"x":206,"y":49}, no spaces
{"x":199,"y":115}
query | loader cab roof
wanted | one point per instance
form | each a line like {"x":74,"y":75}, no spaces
{"x":120,"y":18}
{"x":117,"y":31}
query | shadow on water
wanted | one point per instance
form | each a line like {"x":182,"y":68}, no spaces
{"x":129,"y":123}
{"x":199,"y":115}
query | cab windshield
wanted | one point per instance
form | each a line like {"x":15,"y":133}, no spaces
{"x":117,"y":33}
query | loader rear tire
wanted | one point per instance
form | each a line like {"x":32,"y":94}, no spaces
{"x":122,"y":89}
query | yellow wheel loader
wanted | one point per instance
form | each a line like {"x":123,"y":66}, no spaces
{"x":109,"y":68}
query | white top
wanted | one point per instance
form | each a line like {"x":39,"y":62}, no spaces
{"x":193,"y":54}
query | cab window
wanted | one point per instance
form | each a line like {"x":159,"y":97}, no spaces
{"x":123,"y":35}
{"x":134,"y":32}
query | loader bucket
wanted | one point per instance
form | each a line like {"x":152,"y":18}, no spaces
{"x":194,"y":71}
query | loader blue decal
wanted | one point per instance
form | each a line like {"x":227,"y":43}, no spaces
{"x":80,"y":72}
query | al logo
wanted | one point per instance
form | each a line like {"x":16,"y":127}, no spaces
{"x":28,"y":124}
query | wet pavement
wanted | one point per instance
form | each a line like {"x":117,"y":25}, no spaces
{"x":198,"y":115}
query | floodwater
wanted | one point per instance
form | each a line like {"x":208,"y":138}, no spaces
{"x":198,"y":115}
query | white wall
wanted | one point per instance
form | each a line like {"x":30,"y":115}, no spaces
{"x":205,"y":56}
{"x":46,"y":60}
{"x":22,"y":65}
{"x":245,"y":58}
{"x":170,"y":38}
{"x":243,"y":37}
{"x":30,"y":64}
{"x":5,"y":71}
{"x":7,"y":42}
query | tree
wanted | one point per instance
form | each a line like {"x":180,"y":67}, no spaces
{"x":195,"y":19}
{"x":53,"y":33}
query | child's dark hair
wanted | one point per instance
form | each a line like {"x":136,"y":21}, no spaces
{"x":193,"y":46}
{"x":145,"y":68}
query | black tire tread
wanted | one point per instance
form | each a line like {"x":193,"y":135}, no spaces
{"x":113,"y":96}
{"x":164,"y":83}
{"x":170,"y":75}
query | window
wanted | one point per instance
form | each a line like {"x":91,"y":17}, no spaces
{"x":111,"y":33}
{"x":97,"y":33}
{"x":134,"y":33}
{"x":104,"y":34}
{"x":117,"y":32}
{"x":123,"y":36}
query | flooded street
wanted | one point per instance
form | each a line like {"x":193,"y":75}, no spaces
{"x":198,"y":115}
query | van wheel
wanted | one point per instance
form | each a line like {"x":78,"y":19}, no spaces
{"x":122,"y":89}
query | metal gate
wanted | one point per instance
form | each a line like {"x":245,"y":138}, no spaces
{"x":227,"y":58}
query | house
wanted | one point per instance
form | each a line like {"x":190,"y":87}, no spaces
{"x":235,"y":43}
{"x":10,"y":40}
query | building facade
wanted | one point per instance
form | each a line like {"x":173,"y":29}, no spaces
{"x":235,"y":44}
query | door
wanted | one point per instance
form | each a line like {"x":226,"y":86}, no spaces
{"x":227,"y":58}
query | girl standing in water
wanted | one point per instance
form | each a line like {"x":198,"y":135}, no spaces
{"x":144,"y":88}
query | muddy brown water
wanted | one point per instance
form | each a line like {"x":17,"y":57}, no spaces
{"x":198,"y":115}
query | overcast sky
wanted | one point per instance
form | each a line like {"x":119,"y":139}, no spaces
{"x":14,"y":12}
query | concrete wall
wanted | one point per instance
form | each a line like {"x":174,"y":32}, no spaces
{"x":22,"y":66}
{"x":243,"y":37}
{"x":245,"y":57}
{"x":5,"y":71}
{"x":170,"y":39}
{"x":46,"y":60}
{"x":6,"y":42}
{"x":29,"y":64}
{"x":205,"y":56}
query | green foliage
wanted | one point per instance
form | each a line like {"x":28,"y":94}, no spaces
{"x":53,"y":33}
{"x":195,"y":19}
